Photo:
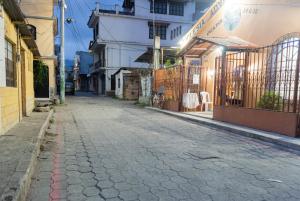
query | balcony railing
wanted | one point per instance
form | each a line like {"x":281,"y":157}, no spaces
{"x":115,"y":9}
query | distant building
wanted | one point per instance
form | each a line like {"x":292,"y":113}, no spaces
{"x":123,"y":35}
{"x":82,"y":62}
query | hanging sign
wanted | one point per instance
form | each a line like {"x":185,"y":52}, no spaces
{"x":196,"y":79}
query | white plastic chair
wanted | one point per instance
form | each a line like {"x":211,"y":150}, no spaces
{"x":205,"y":100}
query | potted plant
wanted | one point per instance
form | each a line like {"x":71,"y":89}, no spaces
{"x":270,"y":101}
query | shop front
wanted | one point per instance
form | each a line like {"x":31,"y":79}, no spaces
{"x":252,"y":55}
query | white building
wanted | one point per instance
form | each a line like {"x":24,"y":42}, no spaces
{"x":122,"y":33}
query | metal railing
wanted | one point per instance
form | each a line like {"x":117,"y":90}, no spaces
{"x":265,"y":78}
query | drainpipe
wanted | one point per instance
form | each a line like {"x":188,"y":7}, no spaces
{"x":18,"y":55}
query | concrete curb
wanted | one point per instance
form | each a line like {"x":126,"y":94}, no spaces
{"x":285,"y":141}
{"x":25,"y":182}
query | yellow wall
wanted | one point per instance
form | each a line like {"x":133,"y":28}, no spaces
{"x":11,"y":97}
{"x":46,"y":29}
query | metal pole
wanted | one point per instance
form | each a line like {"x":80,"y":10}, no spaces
{"x":62,"y":53}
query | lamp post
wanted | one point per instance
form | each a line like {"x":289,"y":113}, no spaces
{"x":62,"y":53}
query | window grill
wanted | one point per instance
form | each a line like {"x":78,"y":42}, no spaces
{"x":10,"y":65}
{"x":160,"y":7}
{"x":176,"y":8}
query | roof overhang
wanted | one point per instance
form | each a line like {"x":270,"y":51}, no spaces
{"x":92,"y":19}
{"x":131,"y":69}
{"x":17,"y":17}
{"x":200,"y":45}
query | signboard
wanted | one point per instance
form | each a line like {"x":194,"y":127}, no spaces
{"x":196,"y":79}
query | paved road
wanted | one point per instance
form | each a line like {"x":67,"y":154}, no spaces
{"x":112,"y":150}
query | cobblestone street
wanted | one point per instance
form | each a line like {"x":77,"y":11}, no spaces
{"x":105,"y":149}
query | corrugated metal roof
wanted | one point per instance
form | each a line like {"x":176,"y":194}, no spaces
{"x":16,"y":15}
{"x":201,"y":44}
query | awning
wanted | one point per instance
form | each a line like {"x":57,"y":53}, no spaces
{"x":200,"y":45}
{"x":147,"y":57}
{"x":16,"y":15}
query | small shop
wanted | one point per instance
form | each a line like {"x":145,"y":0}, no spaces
{"x":128,"y":83}
{"x":240,"y":64}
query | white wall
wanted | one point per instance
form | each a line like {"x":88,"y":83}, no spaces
{"x":122,"y":55}
{"x":142,"y":9}
{"x":134,"y":30}
{"x":2,"y":57}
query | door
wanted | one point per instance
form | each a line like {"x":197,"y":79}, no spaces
{"x":103,"y":84}
{"x":41,"y":79}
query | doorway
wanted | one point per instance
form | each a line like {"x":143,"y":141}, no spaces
{"x":41,"y":79}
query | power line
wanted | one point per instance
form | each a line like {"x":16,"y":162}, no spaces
{"x":77,"y":33}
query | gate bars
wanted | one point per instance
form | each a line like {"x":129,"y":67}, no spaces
{"x":264,"y":78}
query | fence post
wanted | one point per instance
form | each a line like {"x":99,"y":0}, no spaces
{"x":296,"y":88}
{"x":245,"y":87}
{"x":223,"y":78}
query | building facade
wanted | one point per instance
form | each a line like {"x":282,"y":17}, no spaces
{"x":125,"y":32}
{"x":17,"y":52}
{"x":249,"y":53}
{"x":40,"y":14}
{"x":82,"y":63}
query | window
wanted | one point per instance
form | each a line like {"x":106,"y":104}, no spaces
{"x":176,"y":32}
{"x":10,"y":65}
{"x":160,"y":7}
{"x":160,"y":29}
{"x":176,"y":8}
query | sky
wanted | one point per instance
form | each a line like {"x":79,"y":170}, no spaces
{"x":78,"y":34}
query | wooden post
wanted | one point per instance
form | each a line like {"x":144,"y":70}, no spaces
{"x":297,"y":81}
{"x":223,"y":78}
{"x":245,"y":77}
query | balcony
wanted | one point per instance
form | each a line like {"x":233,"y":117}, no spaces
{"x":99,"y":64}
{"x":116,"y":10}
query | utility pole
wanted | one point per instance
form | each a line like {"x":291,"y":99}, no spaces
{"x":154,"y":35}
{"x":62,"y":52}
{"x":156,"y":40}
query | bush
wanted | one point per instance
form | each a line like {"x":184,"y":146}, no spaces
{"x":270,"y":101}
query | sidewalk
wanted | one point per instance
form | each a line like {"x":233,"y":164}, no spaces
{"x":288,"y":142}
{"x":19,"y":149}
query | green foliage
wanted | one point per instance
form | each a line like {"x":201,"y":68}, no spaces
{"x":40,"y":73}
{"x":270,"y":101}
{"x":168,"y":63}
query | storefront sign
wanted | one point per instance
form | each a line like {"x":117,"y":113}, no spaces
{"x":204,"y":20}
{"x":196,"y":79}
